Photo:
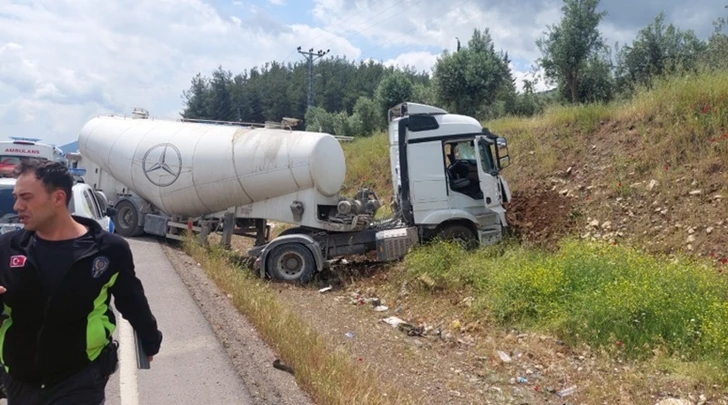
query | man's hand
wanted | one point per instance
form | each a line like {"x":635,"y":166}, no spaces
{"x":2,"y":289}
{"x":150,"y":358}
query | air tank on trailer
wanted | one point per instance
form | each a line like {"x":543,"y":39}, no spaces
{"x":191,"y":169}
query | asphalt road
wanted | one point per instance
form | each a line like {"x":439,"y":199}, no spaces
{"x":193,"y":366}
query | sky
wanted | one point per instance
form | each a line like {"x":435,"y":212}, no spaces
{"x":63,"y":62}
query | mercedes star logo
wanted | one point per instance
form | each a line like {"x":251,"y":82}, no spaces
{"x":162,"y":164}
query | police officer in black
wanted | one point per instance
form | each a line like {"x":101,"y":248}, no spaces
{"x":57,"y":276}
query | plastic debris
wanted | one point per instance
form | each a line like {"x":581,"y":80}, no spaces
{"x":567,"y":391}
{"x":504,"y":357}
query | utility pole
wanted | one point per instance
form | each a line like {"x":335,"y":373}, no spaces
{"x":310,"y":57}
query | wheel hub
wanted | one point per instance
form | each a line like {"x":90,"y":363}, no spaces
{"x":291,"y":264}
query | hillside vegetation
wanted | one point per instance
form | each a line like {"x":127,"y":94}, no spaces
{"x":647,"y":175}
{"x":619,"y":245}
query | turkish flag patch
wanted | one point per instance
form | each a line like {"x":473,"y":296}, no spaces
{"x":17,"y":261}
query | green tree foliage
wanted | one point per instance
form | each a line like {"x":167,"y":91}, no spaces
{"x":352,"y":98}
{"x":716,"y":52}
{"x":395,"y":88}
{"x":196,"y":99}
{"x":367,"y":111}
{"x":568,"y":47}
{"x":658,"y":50}
{"x":472,"y":79}
{"x":276,"y":90}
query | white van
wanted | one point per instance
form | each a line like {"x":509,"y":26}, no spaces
{"x":84,"y":203}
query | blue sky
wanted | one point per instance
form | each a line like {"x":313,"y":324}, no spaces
{"x":63,"y":62}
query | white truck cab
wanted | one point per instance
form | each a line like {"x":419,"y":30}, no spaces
{"x":84,"y":202}
{"x":446,"y":173}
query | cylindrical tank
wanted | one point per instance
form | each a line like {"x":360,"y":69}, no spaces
{"x":192,"y":169}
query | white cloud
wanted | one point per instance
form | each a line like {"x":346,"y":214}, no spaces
{"x":422,"y":61}
{"x":62,"y":62}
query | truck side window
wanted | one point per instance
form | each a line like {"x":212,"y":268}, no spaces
{"x":486,"y":157}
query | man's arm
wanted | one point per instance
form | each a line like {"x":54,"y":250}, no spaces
{"x":131,"y":302}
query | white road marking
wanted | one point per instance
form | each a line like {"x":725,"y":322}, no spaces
{"x":127,"y":364}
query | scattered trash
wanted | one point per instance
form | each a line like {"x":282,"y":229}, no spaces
{"x":349,"y":335}
{"x":394,"y":321}
{"x":427,"y":280}
{"x":411,"y":330}
{"x":567,"y":391}
{"x":282,"y":366}
{"x":323,"y":290}
{"x":504,"y":357}
{"x":381,"y":308}
{"x":521,"y":380}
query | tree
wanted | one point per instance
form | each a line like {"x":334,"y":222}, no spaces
{"x":470,"y":79}
{"x":366,"y":110}
{"x":658,"y":50}
{"x":220,"y":103}
{"x":715,"y":55}
{"x":196,"y":98}
{"x":394,"y":88}
{"x":567,"y":47}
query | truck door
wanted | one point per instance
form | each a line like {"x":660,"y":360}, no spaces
{"x":487,"y":172}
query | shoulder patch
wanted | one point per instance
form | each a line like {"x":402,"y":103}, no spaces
{"x":99,"y":266}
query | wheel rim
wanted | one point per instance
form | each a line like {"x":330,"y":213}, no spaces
{"x":290,"y":265}
{"x":125,"y":216}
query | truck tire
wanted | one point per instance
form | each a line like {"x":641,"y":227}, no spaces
{"x":459,"y":234}
{"x":127,"y":219}
{"x":292,"y":262}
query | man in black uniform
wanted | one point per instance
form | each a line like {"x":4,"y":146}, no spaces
{"x":57,"y":276}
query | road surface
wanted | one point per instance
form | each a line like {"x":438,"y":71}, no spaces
{"x":193,"y":366}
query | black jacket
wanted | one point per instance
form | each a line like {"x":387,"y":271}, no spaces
{"x":47,"y":338}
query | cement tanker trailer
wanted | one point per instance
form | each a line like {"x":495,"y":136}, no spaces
{"x":445,"y":168}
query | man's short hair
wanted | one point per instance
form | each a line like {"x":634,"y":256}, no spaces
{"x":54,"y":175}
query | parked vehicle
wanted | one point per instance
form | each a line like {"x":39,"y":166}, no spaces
{"x":11,"y":152}
{"x":162,"y":175}
{"x":84,"y":202}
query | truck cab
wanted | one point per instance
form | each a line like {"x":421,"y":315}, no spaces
{"x":446,"y":174}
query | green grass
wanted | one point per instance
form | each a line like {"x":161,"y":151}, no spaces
{"x":612,"y":297}
{"x":680,"y":118}
{"x":367,"y":165}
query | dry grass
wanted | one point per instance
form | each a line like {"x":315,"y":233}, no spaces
{"x":329,"y":375}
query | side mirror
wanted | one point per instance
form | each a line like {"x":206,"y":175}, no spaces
{"x":503,"y":159}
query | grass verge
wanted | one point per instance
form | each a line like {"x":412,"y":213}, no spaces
{"x":615,"y":298}
{"x":329,"y":376}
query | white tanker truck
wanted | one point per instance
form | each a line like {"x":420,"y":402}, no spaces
{"x":445,"y":170}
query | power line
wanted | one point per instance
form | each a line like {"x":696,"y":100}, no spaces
{"x":310,"y":57}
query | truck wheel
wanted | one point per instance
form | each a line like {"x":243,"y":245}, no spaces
{"x":459,"y":234}
{"x":127,"y":219}
{"x":292,"y":262}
